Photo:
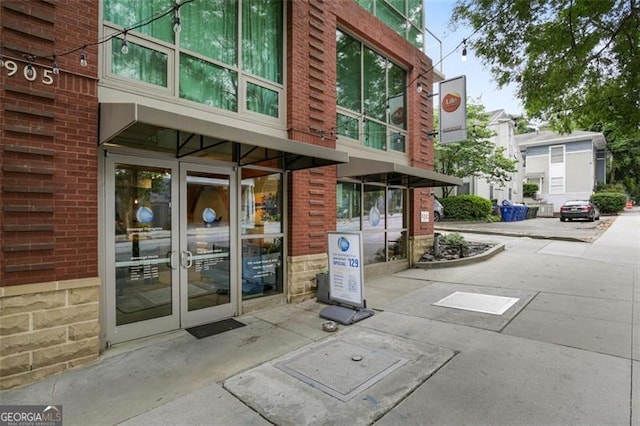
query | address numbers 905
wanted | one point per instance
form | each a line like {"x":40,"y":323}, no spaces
{"x":29,"y":73}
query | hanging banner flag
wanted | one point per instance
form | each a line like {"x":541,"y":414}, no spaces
{"x":453,"y":110}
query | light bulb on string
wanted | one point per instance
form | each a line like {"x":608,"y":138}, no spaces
{"x":125,"y":44}
{"x":176,"y":24}
{"x":83,"y":58}
{"x":55,"y":67}
{"x":176,"y":17}
{"x":419,"y":88}
{"x":29,"y":72}
{"x":464,"y":50}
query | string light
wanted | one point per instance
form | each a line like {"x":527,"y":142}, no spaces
{"x":176,"y":17}
{"x":124,"y":48}
{"x":55,"y":67}
{"x":83,"y":57}
{"x":464,"y":50}
{"x":419,"y":88}
{"x":29,"y":72}
{"x":499,"y":13}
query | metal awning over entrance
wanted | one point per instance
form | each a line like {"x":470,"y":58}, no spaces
{"x":145,"y":127}
{"x":368,"y":170}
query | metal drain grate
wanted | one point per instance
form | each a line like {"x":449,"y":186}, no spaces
{"x":342,"y":369}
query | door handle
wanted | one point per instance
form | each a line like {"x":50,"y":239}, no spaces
{"x":189,"y":256}
{"x":170,"y":255}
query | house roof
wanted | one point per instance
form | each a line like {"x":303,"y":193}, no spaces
{"x":548,"y":137}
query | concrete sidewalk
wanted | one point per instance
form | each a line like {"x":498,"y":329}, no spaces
{"x":564,"y":353}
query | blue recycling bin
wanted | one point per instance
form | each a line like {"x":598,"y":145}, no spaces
{"x":518,"y":212}
{"x":507,"y":213}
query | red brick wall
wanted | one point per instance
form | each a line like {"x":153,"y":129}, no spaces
{"x":311,"y":100}
{"x":311,"y":112}
{"x":48,"y":143}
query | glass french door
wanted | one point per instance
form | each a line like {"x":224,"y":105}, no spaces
{"x":207,"y":210}
{"x":169,"y":243}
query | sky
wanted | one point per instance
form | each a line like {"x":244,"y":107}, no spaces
{"x":480,"y":83}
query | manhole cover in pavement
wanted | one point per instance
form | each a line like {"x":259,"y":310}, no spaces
{"x":341,"y":369}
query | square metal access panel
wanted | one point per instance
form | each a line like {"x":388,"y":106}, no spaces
{"x":342,"y":369}
{"x":485,"y":303}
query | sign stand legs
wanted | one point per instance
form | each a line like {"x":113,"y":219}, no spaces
{"x":345,"y":314}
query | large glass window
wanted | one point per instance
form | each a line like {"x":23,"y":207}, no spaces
{"x":139,"y":63}
{"x":209,"y":84}
{"x":230,"y":52}
{"x":261,"y":267}
{"x":262,"y":38}
{"x":349,"y":66}
{"x":261,"y":212}
{"x":133,"y":13}
{"x":378,"y":211}
{"x":262,"y":100}
{"x":402,"y":16}
{"x":371,"y":96}
{"x":348,"y":210}
{"x":211,"y":29}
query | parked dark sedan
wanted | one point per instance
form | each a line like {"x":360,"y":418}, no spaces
{"x":579,"y":209}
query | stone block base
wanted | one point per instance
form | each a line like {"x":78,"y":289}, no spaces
{"x":302,"y":271}
{"x":47,"y":328}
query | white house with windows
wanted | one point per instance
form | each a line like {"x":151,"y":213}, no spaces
{"x":503,"y":125}
{"x":565,"y":167}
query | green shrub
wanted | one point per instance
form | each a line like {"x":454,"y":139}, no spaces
{"x":529,"y":189}
{"x":466,"y":207}
{"x":611,"y":187}
{"x":454,"y":239}
{"x":609,"y":202}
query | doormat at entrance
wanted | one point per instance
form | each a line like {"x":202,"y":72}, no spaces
{"x":206,"y":330}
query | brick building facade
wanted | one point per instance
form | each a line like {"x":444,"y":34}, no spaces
{"x":165,"y":184}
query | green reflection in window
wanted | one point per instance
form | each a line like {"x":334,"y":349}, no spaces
{"x":348,"y":62}
{"x":203,"y":82}
{"x":375,"y":135}
{"x":129,"y":13}
{"x":262,"y":38}
{"x":210,"y":28}
{"x":367,"y":4}
{"x":397,"y":142}
{"x":348,"y":126}
{"x":415,"y":37}
{"x":139,"y":63}
{"x":414,"y":12}
{"x":262,"y":100}
{"x":390,"y":17}
{"x":374,"y":85}
{"x":398,"y":4}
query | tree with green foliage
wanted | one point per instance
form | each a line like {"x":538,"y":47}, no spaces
{"x":476,"y":156}
{"x":575,"y":63}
